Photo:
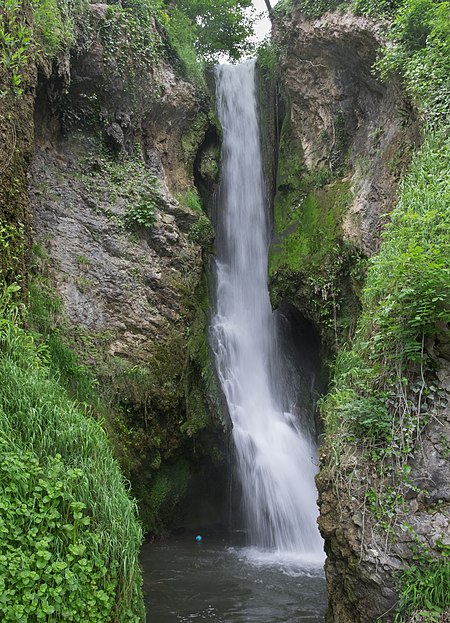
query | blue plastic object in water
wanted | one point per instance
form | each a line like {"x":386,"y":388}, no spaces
{"x":199,"y":538}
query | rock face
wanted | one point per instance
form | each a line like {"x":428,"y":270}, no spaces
{"x":363,"y":553}
{"x":118,"y":130}
{"x":342,"y":120}
{"x":342,"y":115}
{"x":16,"y":149}
{"x":127,"y":281}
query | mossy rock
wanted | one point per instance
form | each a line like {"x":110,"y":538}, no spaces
{"x":310,"y":264}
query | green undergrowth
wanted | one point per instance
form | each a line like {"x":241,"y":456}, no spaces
{"x":181,"y":37}
{"x":424,"y":588}
{"x":405,"y":304}
{"x":11,"y":250}
{"x":201,"y":231}
{"x":69,"y":532}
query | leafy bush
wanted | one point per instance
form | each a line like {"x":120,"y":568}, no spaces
{"x":221,"y":27}
{"x":182,"y":37}
{"x":69,"y":538}
{"x":141,"y":213}
{"x":55,"y":23}
{"x":405,"y":299}
{"x":421,"y":54}
{"x":15,"y":39}
{"x":11,"y":250}
{"x":202,"y":232}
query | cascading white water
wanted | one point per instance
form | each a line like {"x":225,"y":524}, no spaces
{"x":274,"y":457}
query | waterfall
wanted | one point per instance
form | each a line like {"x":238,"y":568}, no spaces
{"x":274,"y":456}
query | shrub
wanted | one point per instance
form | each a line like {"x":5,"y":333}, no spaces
{"x":69,"y":537}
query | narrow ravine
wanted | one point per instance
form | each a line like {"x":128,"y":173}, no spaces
{"x":273,"y":452}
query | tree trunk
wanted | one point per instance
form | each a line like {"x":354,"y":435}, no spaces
{"x":269,"y":8}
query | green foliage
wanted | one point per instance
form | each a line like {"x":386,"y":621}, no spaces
{"x":190,"y":198}
{"x":408,"y":287}
{"x":15,"y":40}
{"x":221,"y":27}
{"x":267,"y":57}
{"x":11,"y":251}
{"x":69,"y":534}
{"x":309,"y":8}
{"x":142,"y":213}
{"x":424,"y":587}
{"x":52,"y":568}
{"x":182,"y":37}
{"x":202,"y":232}
{"x":132,"y":45}
{"x":405,"y":302}
{"x":55,"y":23}
{"x":421,"y":54}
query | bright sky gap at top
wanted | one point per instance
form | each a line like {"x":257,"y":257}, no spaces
{"x":262,"y":27}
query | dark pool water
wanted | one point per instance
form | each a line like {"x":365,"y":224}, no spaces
{"x":185,"y":581}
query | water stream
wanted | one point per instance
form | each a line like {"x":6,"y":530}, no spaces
{"x":278,"y":578}
{"x":274,"y":452}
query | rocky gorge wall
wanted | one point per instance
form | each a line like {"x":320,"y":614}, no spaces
{"x":346,"y":140}
{"x":109,"y":139}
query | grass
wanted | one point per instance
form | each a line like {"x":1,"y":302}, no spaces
{"x":88,"y":523}
{"x":424,"y":589}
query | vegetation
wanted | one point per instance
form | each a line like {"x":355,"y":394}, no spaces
{"x":15,"y":39}
{"x":77,"y":557}
{"x":309,"y":262}
{"x":424,"y":587}
{"x":222,"y":27}
{"x":384,"y":390}
{"x":194,"y":31}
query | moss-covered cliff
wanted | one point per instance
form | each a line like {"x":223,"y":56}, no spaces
{"x":366,"y":258}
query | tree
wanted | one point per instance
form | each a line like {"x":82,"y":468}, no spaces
{"x":223,"y":27}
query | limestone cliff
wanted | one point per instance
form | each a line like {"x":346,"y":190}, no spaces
{"x":108,"y":137}
{"x":345,"y":142}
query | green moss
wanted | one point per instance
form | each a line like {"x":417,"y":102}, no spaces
{"x":191,"y":199}
{"x":191,"y":141}
{"x":309,"y":263}
{"x":309,"y":231}
{"x":209,"y":168}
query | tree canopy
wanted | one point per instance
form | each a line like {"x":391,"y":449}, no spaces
{"x":222,"y":27}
